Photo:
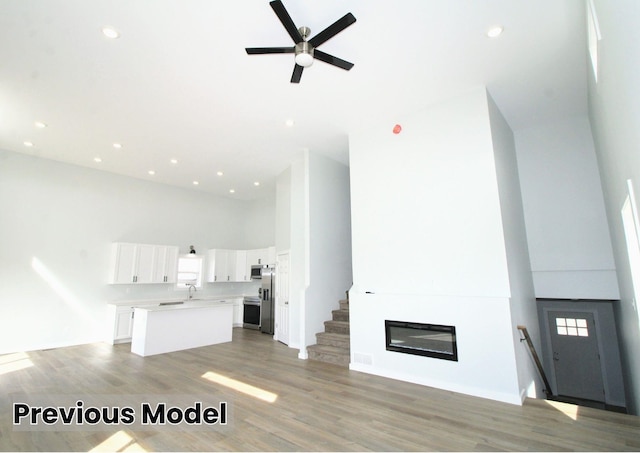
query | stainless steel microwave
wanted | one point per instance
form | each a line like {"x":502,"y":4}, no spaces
{"x":256,"y":271}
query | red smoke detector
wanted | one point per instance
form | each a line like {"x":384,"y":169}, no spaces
{"x":397,"y":129}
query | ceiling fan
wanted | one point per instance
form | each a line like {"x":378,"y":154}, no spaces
{"x":305,"y":51}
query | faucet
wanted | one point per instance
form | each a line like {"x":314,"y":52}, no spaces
{"x":194,"y":289}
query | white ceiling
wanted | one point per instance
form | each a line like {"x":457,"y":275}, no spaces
{"x":178,"y":83}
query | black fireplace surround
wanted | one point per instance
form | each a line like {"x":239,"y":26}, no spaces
{"x":430,"y":340}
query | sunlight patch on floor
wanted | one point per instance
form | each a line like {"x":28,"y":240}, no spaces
{"x":14,"y":362}
{"x":119,"y":441}
{"x":570,"y":410}
{"x":240,"y":386}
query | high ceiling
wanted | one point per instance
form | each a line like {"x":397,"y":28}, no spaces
{"x":178,"y":84}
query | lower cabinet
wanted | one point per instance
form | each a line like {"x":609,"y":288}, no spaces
{"x":238,"y":311}
{"x":121,"y":322}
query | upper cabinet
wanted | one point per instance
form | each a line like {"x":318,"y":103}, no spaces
{"x":261,"y":256}
{"x":166,"y":266}
{"x":235,"y":265}
{"x":143,"y":263}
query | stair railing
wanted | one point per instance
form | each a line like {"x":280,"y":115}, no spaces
{"x":527,"y":338}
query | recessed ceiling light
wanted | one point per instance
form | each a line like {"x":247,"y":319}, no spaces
{"x":494,"y":32}
{"x":219,"y":173}
{"x":151,"y":172}
{"x":97,"y":159}
{"x":257,"y":183}
{"x":117,"y":145}
{"x":232,"y":191}
{"x":289,"y":123}
{"x":110,"y":32}
{"x":28,"y":144}
{"x":40,"y":124}
{"x":195,"y":183}
{"x":174,"y":161}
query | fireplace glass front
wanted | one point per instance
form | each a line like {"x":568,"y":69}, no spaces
{"x":431,"y":340}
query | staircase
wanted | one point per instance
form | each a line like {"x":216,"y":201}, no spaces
{"x":333,"y":344}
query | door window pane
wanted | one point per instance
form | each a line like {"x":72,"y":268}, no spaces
{"x":572,"y":327}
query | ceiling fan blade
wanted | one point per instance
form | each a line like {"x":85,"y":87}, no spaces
{"x":332,"y":30}
{"x":297,"y":73}
{"x":286,"y":20}
{"x":263,"y":50}
{"x":322,"y":56}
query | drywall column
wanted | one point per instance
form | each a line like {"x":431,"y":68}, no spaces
{"x":429,"y":247}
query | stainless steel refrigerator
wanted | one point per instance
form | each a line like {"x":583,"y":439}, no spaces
{"x":267,"y":300}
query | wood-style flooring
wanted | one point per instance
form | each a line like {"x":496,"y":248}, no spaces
{"x":309,"y":406}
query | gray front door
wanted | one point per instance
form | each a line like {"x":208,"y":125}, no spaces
{"x":576,"y":357}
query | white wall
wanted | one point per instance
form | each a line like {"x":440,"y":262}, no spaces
{"x":67,"y":217}
{"x":522,"y":303}
{"x":428,"y":241}
{"x":569,"y":242}
{"x":259,"y":223}
{"x":614,"y":104}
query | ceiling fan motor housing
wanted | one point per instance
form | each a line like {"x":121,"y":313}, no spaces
{"x":304,"y":54}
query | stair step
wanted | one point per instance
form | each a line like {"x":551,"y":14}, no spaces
{"x":334,"y":339}
{"x":344,"y":304}
{"x":340,"y":315}
{"x":329,"y":354}
{"x":337,"y":327}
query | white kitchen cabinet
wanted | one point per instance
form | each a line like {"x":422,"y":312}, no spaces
{"x":133,"y":263}
{"x":265,"y":255}
{"x":227,"y":266}
{"x":241,"y":274}
{"x":235,"y":265}
{"x":121,"y":323}
{"x":143,"y":263}
{"x":219,"y":262}
{"x":238,"y":311}
{"x":166,"y":264}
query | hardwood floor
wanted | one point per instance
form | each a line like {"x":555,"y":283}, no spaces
{"x":296,"y":405}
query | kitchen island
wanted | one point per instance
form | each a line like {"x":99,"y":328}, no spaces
{"x":177,"y":326}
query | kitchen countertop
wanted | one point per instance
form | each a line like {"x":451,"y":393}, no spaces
{"x":144,"y":302}
{"x":194,"y":303}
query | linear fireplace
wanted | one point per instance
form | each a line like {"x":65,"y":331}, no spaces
{"x":431,"y":340}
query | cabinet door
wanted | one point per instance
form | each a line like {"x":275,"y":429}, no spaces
{"x":231,"y":265}
{"x":125,"y":256}
{"x":240,"y":273}
{"x":211,"y":265}
{"x":166,"y":262}
{"x":171,"y":264}
{"x":123,"y":328}
{"x":238,"y":312}
{"x":221,"y":265}
{"x":146,"y":264}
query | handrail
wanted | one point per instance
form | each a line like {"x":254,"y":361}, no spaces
{"x":527,"y":338}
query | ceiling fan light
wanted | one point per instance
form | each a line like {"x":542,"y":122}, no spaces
{"x":304,"y":59}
